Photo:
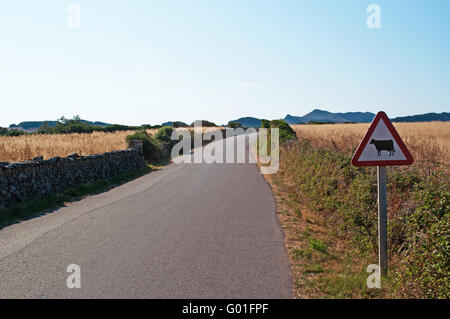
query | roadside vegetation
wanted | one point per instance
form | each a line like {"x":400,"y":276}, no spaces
{"x":286,"y":133}
{"x":328,"y":210}
{"x":152,"y":147}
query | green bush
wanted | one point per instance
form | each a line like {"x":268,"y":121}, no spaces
{"x":75,"y":125}
{"x":164,"y":135}
{"x":152,"y":148}
{"x":265,"y":123}
{"x":234,"y":124}
{"x":14,"y":133}
{"x":205,"y":124}
{"x":427,"y":237}
{"x":286,"y":132}
{"x":177,"y":124}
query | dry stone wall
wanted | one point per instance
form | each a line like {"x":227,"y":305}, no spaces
{"x":36,"y":178}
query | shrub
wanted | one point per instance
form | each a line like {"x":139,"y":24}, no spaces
{"x":265,"y":123}
{"x":234,"y":124}
{"x":15,"y":133}
{"x":427,"y":235}
{"x":75,"y":125}
{"x":206,"y":124}
{"x":164,"y":135}
{"x":177,"y":124}
{"x":286,"y":132}
{"x":152,"y":148}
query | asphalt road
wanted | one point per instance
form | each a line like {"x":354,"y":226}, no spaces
{"x":186,"y":231}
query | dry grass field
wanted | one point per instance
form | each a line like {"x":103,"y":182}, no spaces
{"x":25,"y":147}
{"x":428,"y":141}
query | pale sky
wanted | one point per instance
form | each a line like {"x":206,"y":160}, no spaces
{"x":147,"y":61}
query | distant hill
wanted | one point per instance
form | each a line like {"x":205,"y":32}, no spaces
{"x":357,"y":117}
{"x":290,"y":119}
{"x":325,"y":116}
{"x":315,"y":116}
{"x":360,"y":117}
{"x":428,"y":117}
{"x":248,"y":122}
{"x":32,"y":126}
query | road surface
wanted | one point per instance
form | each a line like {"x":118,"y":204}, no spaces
{"x":186,"y":231}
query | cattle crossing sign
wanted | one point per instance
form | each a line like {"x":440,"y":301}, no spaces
{"x":381,"y":147}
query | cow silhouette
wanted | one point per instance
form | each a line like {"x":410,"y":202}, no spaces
{"x":384,"y":145}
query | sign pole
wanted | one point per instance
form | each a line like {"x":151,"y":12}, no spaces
{"x":382,"y":221}
{"x":381,"y":147}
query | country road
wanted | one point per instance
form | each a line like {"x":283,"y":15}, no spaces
{"x":185,"y":231}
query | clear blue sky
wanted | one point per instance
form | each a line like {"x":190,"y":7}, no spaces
{"x":148,"y":61}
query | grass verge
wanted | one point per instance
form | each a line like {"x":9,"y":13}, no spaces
{"x":323,"y":265}
{"x":328,"y":210}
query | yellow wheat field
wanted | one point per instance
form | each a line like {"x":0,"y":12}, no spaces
{"x":427,"y":141}
{"x":25,"y":147}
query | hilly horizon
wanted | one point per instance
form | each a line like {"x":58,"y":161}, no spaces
{"x":34,"y":125}
{"x":322,"y":116}
{"x":317,"y":115}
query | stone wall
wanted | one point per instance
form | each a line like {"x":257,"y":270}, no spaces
{"x":35,"y":178}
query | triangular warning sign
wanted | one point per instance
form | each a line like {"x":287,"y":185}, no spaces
{"x":382,"y":146}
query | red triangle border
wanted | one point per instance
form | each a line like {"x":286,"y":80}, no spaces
{"x":382,"y":116}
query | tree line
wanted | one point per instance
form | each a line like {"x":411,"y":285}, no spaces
{"x":77,"y":125}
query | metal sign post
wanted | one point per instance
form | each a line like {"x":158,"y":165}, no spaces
{"x":381,"y":147}
{"x":382,"y":221}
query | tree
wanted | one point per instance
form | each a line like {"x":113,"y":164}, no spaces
{"x":206,"y":124}
{"x":62,"y":119}
{"x":234,"y":124}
